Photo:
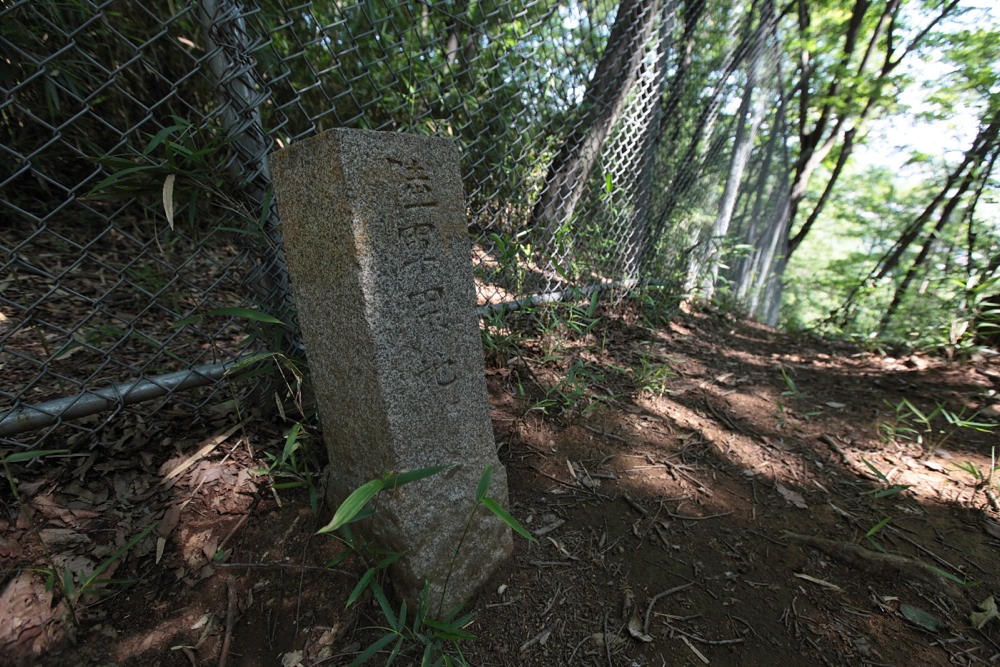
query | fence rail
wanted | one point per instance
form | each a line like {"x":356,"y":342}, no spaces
{"x":604,"y":143}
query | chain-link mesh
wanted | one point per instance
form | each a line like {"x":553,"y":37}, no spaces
{"x":605,"y":142}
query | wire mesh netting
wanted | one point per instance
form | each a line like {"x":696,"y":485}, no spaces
{"x":606,"y":144}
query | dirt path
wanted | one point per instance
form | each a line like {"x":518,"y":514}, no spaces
{"x":737,"y":498}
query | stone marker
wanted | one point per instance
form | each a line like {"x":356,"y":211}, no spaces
{"x":379,"y":256}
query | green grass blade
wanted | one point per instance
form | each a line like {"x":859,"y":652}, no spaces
{"x":102,"y":568}
{"x":383,"y":602}
{"x":248,"y":313}
{"x":878,"y":473}
{"x":878,"y":526}
{"x":370,"y":652}
{"x":484,"y":484}
{"x":19,"y":457}
{"x":353,"y":504}
{"x":504,"y":516}
{"x":402,"y":479}
{"x":360,"y":587}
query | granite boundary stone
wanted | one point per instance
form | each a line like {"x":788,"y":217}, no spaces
{"x":379,"y":255}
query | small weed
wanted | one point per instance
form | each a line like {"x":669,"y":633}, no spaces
{"x":74,"y":585}
{"x":513,"y":254}
{"x":582,"y":320}
{"x":911,"y":424}
{"x":572,"y":394}
{"x":780,"y":414}
{"x":501,"y":342}
{"x":292,"y":468}
{"x":436,"y":638}
{"x":889,"y":489}
{"x":651,"y":376}
{"x":874,"y":531}
{"x":986,"y":481}
{"x":792,"y":389}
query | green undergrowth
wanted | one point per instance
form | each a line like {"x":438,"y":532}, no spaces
{"x":574,"y":359}
{"x":428,"y":631}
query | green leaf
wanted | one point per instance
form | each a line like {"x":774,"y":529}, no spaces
{"x":402,"y":479}
{"x":422,"y":607}
{"x":504,"y":516}
{"x":69,"y":589}
{"x":102,"y":568}
{"x":287,"y":485}
{"x":484,"y":484}
{"x":360,"y":587}
{"x":352,"y":505}
{"x":19,"y":457}
{"x":120,"y":175}
{"x":383,"y":602}
{"x":921,"y":618}
{"x":389,"y":560}
{"x":248,"y":313}
{"x":160,"y":136}
{"x":878,"y":526}
{"x":291,"y":440}
{"x":448,"y":631}
{"x":370,"y":652}
{"x":891,"y":491}
{"x":249,"y":361}
{"x":402,"y":614}
{"x":186,"y":321}
{"x":878,"y":473}
{"x":395,"y":650}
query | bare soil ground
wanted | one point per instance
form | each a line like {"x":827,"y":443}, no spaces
{"x":705,"y":491}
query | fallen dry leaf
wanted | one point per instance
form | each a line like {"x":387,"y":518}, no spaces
{"x":793,"y":497}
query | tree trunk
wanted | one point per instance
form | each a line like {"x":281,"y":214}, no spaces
{"x":602,"y":105}
{"x":704,"y":266}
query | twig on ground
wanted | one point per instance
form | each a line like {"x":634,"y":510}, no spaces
{"x":227,"y":642}
{"x":541,"y":637}
{"x":605,"y":434}
{"x":928,"y":552}
{"x":549,"y":563}
{"x":870,"y":561}
{"x":281,"y":566}
{"x":992,"y":497}
{"x":827,"y":440}
{"x":702,"y":640}
{"x":607,"y":641}
{"x":634,"y":505}
{"x":749,"y":627}
{"x":649,"y":608}
{"x":696,"y":518}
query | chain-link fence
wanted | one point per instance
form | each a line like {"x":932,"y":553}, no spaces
{"x":606,"y":143}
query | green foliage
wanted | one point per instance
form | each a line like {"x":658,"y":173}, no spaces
{"x":435,"y":636}
{"x":75,"y":586}
{"x":889,"y":489}
{"x":909,"y":423}
{"x":985,"y":481}
{"x":651,"y":375}
{"x":502,"y":339}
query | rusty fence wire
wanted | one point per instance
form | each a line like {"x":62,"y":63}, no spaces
{"x":607,"y":144}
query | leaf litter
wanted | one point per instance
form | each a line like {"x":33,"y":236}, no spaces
{"x":700,"y":524}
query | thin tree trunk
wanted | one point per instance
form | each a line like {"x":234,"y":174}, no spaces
{"x":602,"y":105}
{"x":750,"y":115}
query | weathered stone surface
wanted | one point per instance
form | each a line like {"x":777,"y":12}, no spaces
{"x":379,"y":256}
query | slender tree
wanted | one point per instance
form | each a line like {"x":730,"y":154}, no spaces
{"x":601,"y":107}
{"x":840,"y":90}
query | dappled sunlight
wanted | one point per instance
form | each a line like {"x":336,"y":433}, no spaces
{"x":759,"y":488}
